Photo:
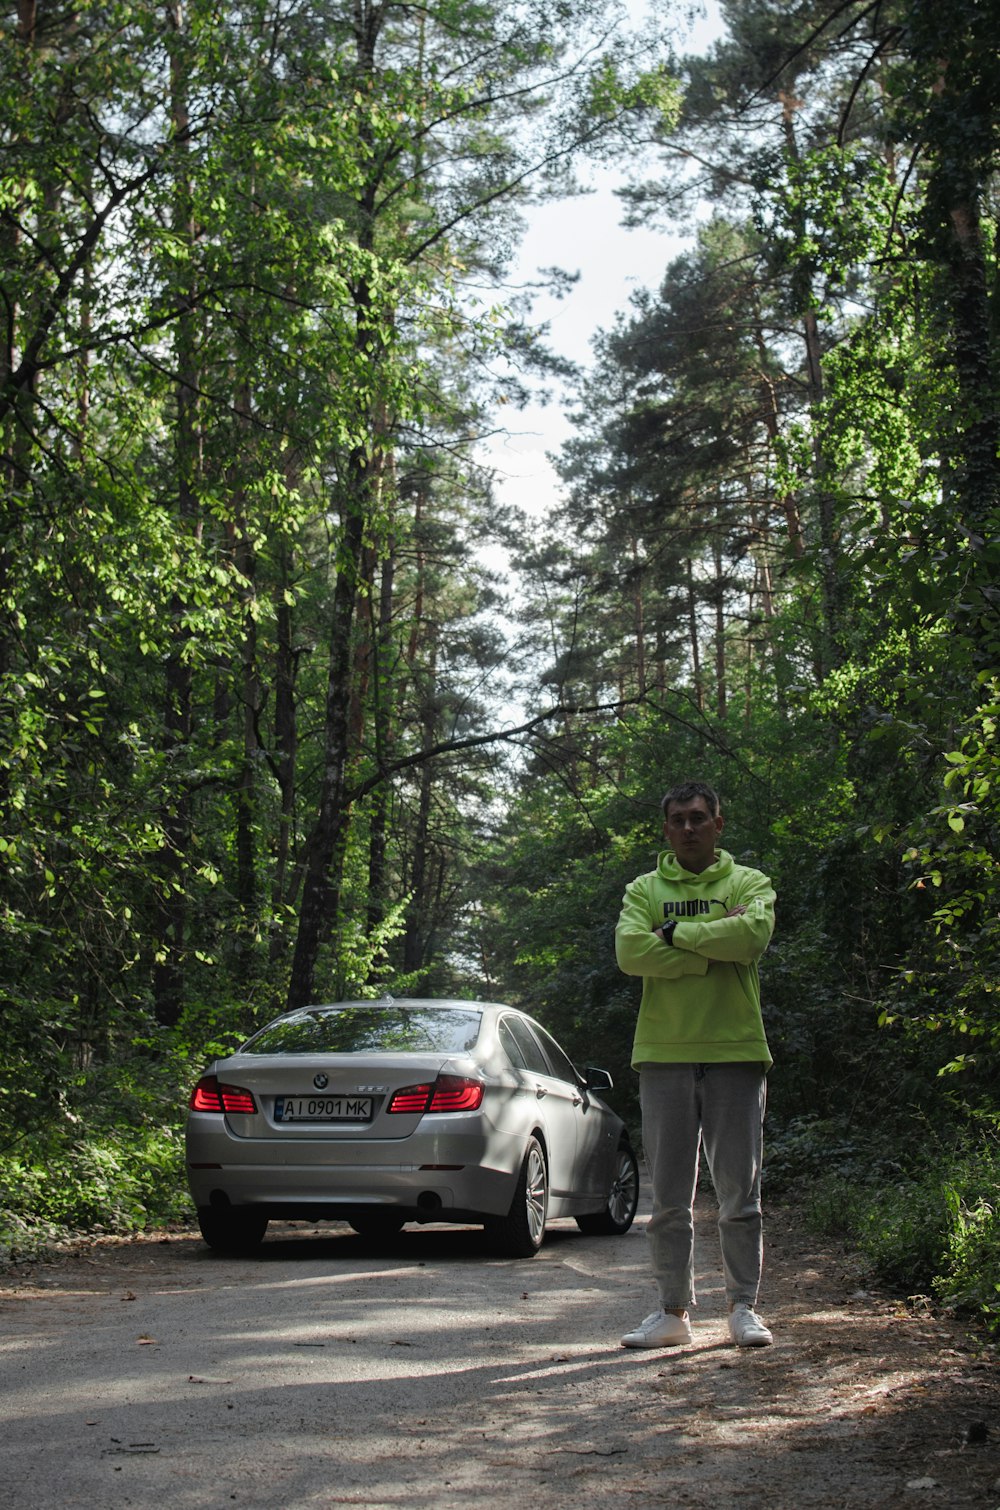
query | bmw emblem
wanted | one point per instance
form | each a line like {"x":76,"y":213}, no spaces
{"x":321,"y":1082}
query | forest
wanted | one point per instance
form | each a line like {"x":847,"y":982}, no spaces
{"x":257,"y":660}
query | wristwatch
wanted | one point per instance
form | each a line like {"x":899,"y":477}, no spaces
{"x":668,"y":930}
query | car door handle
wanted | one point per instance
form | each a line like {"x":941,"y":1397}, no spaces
{"x":540,"y":1091}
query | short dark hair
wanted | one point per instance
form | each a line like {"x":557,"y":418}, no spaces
{"x":688,"y":791}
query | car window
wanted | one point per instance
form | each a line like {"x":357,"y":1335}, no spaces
{"x":371,"y":1029}
{"x":528,"y":1048}
{"x":562,"y":1067}
{"x":510,"y":1046}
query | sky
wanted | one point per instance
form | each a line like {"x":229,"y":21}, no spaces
{"x":582,"y":235}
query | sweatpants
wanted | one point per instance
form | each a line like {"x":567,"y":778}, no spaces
{"x":718,"y":1108}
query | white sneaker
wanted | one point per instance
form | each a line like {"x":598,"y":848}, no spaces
{"x":746,"y":1327}
{"x":661,"y":1329}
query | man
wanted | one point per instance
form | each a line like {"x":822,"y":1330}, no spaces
{"x":694,"y":929}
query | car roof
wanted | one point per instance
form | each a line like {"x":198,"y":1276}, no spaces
{"x":433,"y":1003}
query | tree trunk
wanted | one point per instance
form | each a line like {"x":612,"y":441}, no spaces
{"x":285,"y":744}
{"x":692,"y":616}
{"x":168,"y":974}
{"x":769,"y":413}
{"x":828,"y":651}
{"x":328,"y":841}
{"x":721,"y":694}
{"x":415,"y":941}
{"x":382,"y":730}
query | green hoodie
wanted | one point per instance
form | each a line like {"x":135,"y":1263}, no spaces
{"x":700,"y":993}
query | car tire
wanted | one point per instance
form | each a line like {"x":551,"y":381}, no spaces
{"x":229,"y":1231}
{"x":623,"y":1198}
{"x":378,"y":1224}
{"x":519,"y":1234}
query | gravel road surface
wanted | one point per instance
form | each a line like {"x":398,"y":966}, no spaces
{"x":423,"y":1372}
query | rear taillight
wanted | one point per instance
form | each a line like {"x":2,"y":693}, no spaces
{"x":454,"y":1093}
{"x":412,"y":1098}
{"x":449,"y":1093}
{"x":205,"y":1096}
{"x":235,"y":1099}
{"x":209,"y":1096}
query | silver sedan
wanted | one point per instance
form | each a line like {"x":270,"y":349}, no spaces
{"x":380,"y":1113}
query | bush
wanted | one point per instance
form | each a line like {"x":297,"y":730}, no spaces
{"x":116,"y":1182}
{"x":813,"y":1151}
{"x":970,"y":1273}
{"x":935,"y":1231}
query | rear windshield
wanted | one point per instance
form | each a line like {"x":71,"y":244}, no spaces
{"x":370,"y":1030}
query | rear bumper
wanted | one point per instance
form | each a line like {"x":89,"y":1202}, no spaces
{"x":298,"y":1193}
{"x":433,"y":1175}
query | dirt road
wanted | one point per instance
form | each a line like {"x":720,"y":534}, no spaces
{"x":425,"y":1373}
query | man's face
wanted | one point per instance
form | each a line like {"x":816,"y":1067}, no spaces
{"x":692,"y":832}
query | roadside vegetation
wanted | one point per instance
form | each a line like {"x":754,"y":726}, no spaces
{"x":256,"y":675}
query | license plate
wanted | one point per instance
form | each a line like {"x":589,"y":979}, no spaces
{"x":323,"y":1109}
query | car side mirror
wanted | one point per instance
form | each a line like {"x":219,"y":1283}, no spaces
{"x":598,"y":1080}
